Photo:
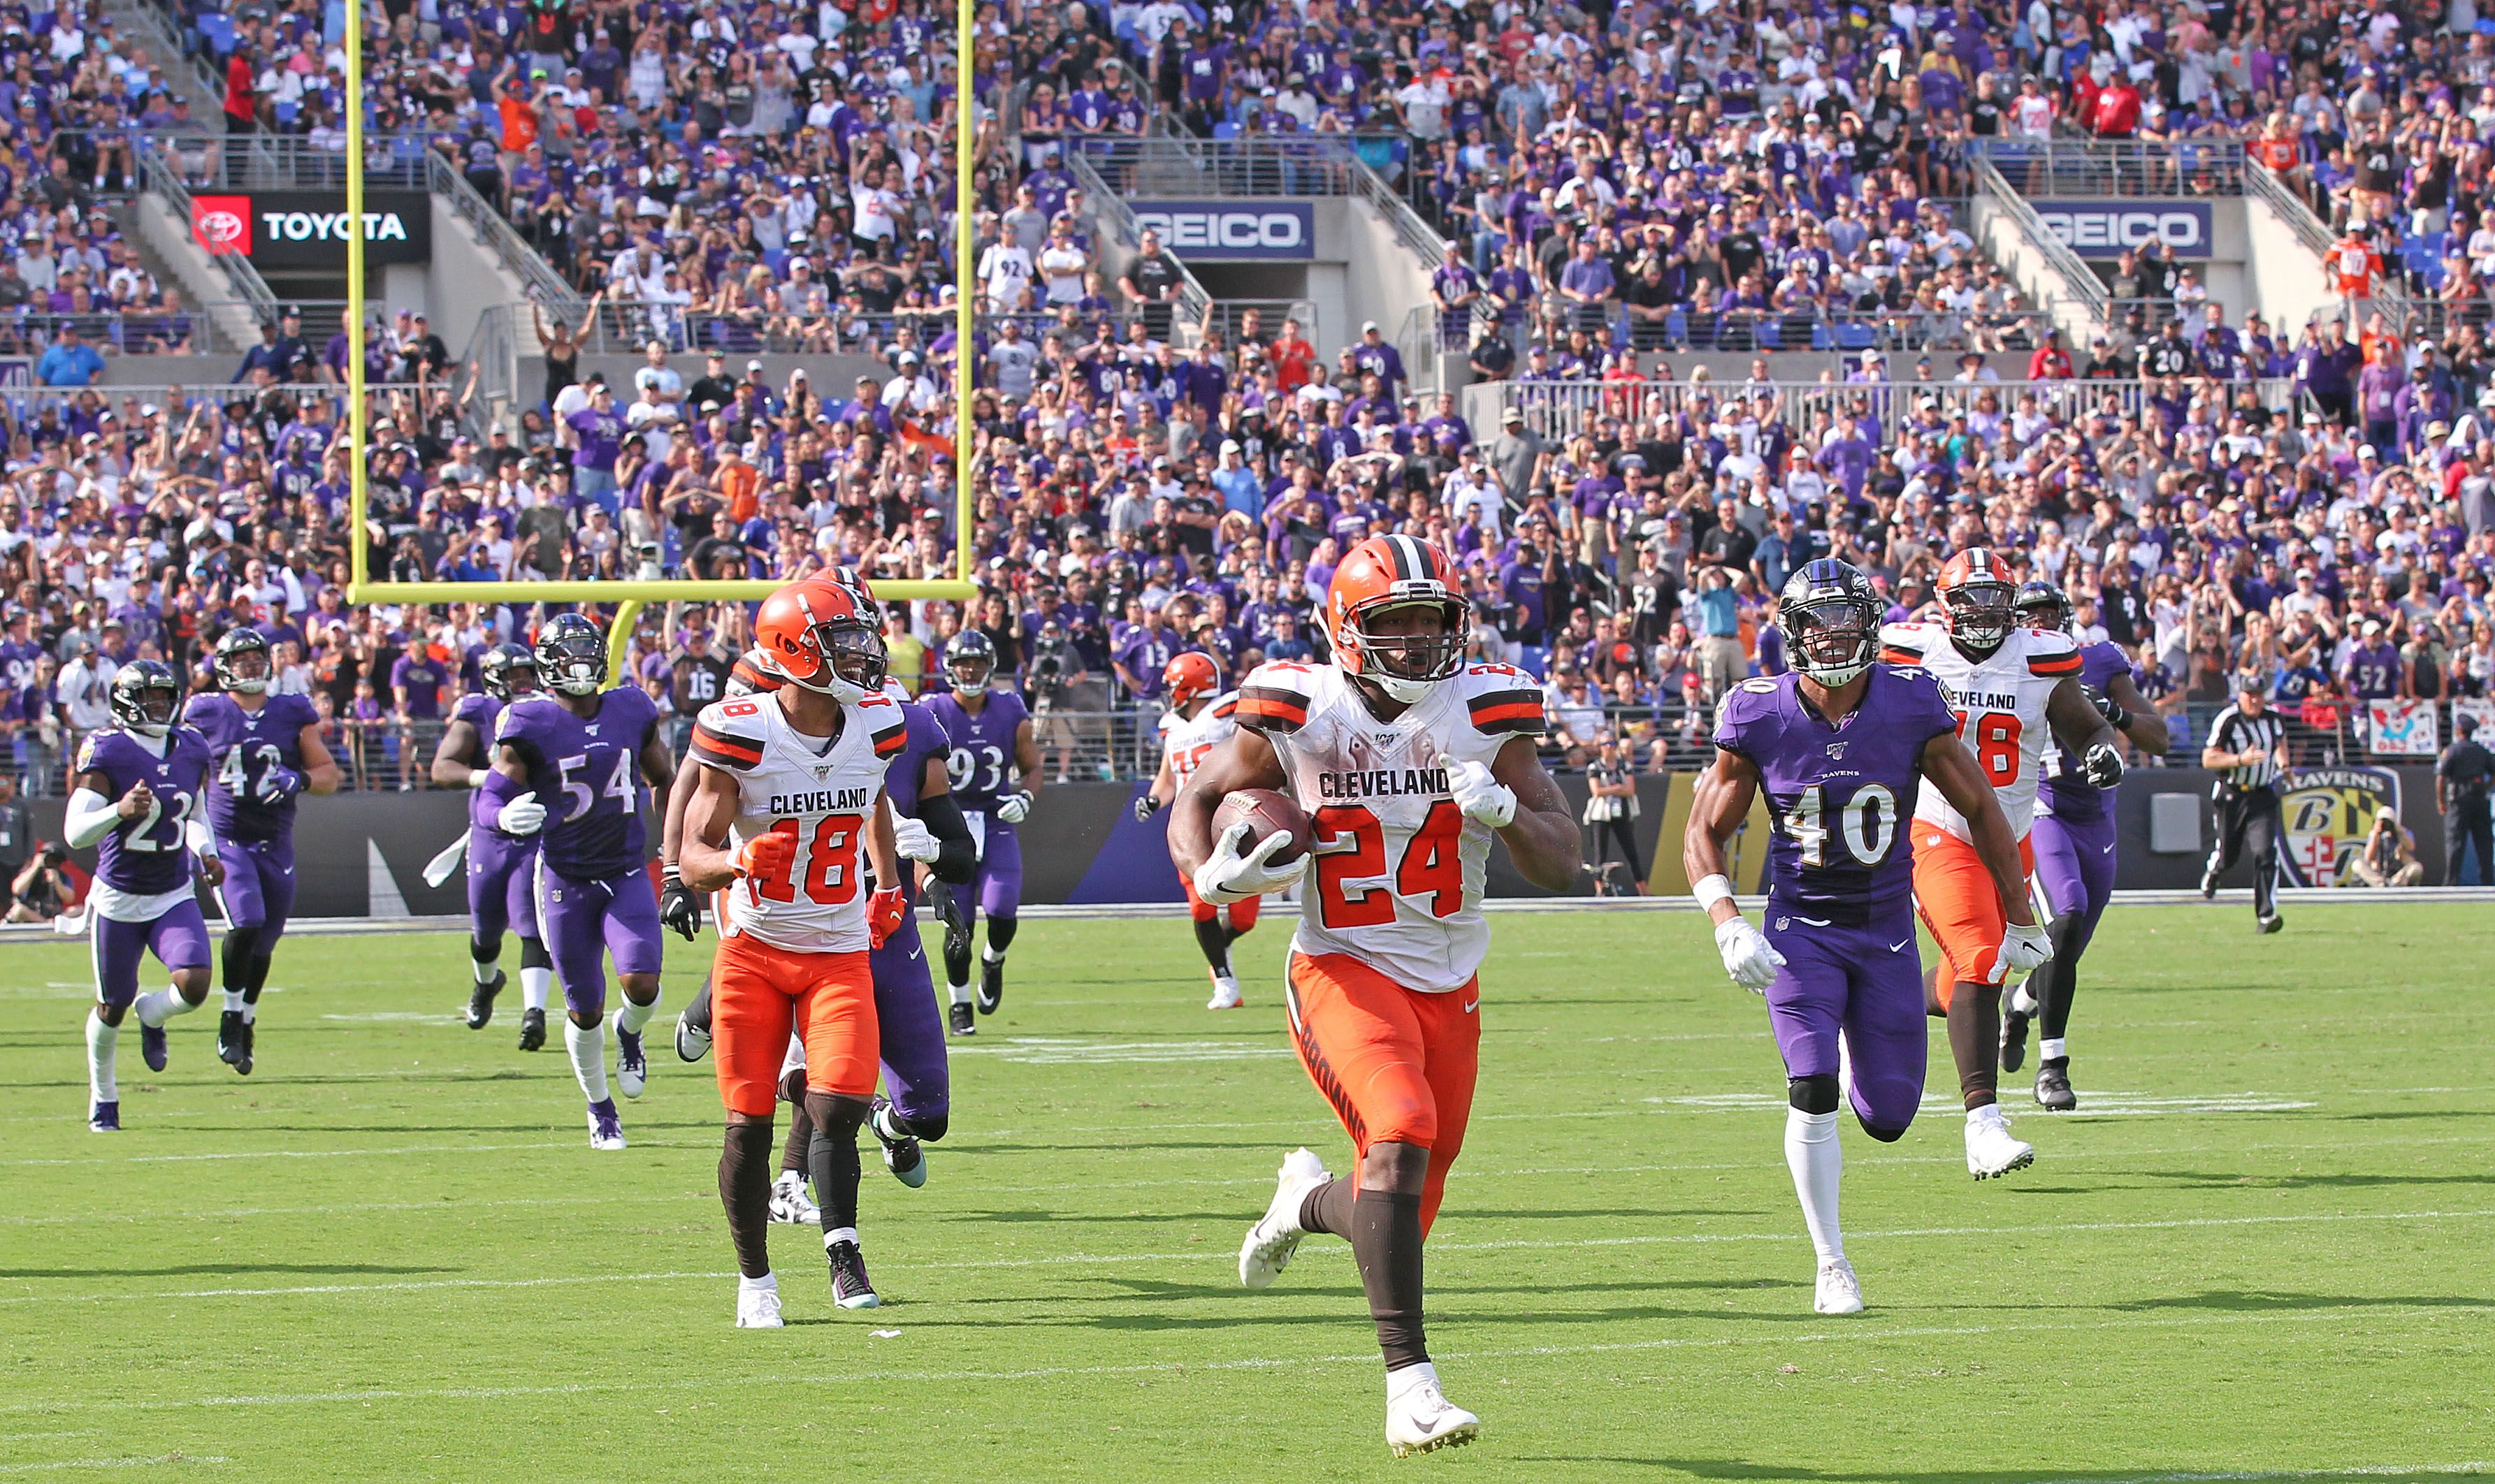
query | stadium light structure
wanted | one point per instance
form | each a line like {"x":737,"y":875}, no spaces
{"x":628,"y":596}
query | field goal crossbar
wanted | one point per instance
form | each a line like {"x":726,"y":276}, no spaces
{"x":629,"y":596}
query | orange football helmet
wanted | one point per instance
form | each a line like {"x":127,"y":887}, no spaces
{"x":1977,"y":600}
{"x":1189,"y":676}
{"x":820,"y":634}
{"x":1387,"y":574}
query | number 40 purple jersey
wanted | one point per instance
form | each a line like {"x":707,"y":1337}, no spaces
{"x":1839,"y":796}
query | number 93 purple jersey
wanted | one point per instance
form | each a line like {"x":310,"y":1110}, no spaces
{"x":1840,"y":796}
{"x":982,"y":757}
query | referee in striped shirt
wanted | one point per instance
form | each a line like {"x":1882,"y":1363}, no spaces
{"x":2247,"y":748}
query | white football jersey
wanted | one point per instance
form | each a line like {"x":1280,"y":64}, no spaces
{"x":2000,"y":705}
{"x":1186,"y":741}
{"x":1396,"y":878}
{"x":823,"y":794}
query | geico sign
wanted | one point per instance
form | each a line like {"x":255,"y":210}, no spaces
{"x":329,"y":226}
{"x":2179,"y":229}
{"x":1231,"y":230}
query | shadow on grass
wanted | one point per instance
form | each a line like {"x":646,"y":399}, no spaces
{"x":2198,"y":1179}
{"x":2239,"y":1301}
{"x":227,"y":1270}
{"x":2163,"y":1470}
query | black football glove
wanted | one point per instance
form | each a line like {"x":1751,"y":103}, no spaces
{"x":1146,"y":806}
{"x":679,"y":905}
{"x":2103,"y":766}
{"x":2109,"y":708}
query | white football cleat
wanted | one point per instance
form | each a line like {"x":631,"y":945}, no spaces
{"x":757,"y":1303}
{"x":1276,"y":1235}
{"x":790,"y":1205}
{"x":1225,"y":993}
{"x":1419,"y":1418}
{"x":605,"y":1127}
{"x":1991,"y":1151}
{"x":1838,"y":1291}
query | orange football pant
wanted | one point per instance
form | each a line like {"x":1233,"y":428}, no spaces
{"x":758,"y":992}
{"x":1958,"y":901}
{"x":1398,"y":1065}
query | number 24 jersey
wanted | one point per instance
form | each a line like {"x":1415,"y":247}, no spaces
{"x":1396,"y":875}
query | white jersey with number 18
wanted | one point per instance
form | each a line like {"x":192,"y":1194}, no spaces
{"x":2000,"y":706}
{"x":823,"y":796}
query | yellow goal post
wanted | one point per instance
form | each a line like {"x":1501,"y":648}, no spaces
{"x":628,"y":596}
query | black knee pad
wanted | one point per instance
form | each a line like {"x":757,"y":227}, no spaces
{"x":793,"y":1086}
{"x":1000,"y":931}
{"x":1884,"y":1136}
{"x":483,"y":952}
{"x":533,"y":955}
{"x":927,"y":1127}
{"x":1812,"y":1094}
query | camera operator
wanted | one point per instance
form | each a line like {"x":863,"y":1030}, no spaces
{"x":2388,"y":858}
{"x":42,"y":890}
{"x":1050,"y":685}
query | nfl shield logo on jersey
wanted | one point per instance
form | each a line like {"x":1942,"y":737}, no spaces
{"x":2327,"y":813}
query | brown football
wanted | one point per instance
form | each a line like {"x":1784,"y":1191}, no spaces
{"x":1265,"y":810}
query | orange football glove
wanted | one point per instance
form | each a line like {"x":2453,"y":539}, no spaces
{"x":767,"y":856}
{"x":885,"y":912}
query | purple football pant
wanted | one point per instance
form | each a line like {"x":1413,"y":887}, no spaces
{"x":502,"y":885}
{"x":997,"y":883}
{"x":2075,"y":866}
{"x":915,"y":1075}
{"x":258,"y":889}
{"x":1868,"y":982}
{"x":583,"y":921}
{"x":178,"y":937}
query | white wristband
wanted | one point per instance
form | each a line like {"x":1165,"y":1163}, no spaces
{"x":1713,"y":890}
{"x":476,"y":776}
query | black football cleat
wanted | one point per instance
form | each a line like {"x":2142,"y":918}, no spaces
{"x":241,"y":1061}
{"x":480,"y":1000}
{"x":963,"y":1019}
{"x":992,"y":986}
{"x":955,"y":917}
{"x":2208,"y":886}
{"x":532,"y":1029}
{"x":2014,"y":1037}
{"x":902,"y":1153}
{"x":2053,"y":1086}
{"x":153,"y":1048}
{"x":230,"y":1033}
{"x":850,"y":1287}
{"x":2270,"y":924}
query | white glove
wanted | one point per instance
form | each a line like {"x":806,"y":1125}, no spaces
{"x":1231,"y":877}
{"x":1478,"y":794}
{"x":1748,"y":955}
{"x":523,"y":815}
{"x":2103,"y":766}
{"x":2022,"y":948}
{"x":913,"y":838}
{"x":1014,"y":808}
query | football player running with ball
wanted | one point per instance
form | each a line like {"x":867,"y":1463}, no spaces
{"x":1841,"y":746}
{"x":565,"y":771}
{"x":995,"y":768}
{"x":1415,"y":761}
{"x":136,"y":798}
{"x":1198,"y":721}
{"x":2016,"y":691}
{"x":268,"y":750}
{"x":2074,"y":846}
{"x":502,"y":871}
{"x":788,"y":813}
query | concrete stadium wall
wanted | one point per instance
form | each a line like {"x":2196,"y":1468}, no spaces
{"x":363,"y":855}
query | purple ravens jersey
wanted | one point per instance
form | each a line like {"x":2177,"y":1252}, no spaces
{"x":587,"y":773}
{"x":481,"y":712}
{"x":1840,"y":796}
{"x":925,"y":739}
{"x":980,"y":762}
{"x":2061,"y":792}
{"x":247,"y":746}
{"x":147,"y":856}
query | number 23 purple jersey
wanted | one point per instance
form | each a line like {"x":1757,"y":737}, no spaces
{"x":1839,"y":796}
{"x":147,"y":856}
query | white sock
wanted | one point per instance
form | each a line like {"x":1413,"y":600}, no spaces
{"x":484,"y":969}
{"x":101,"y":1041}
{"x":839,"y":1234}
{"x":991,"y":956}
{"x":536,"y":984}
{"x":1812,"y":1154}
{"x":250,"y":1014}
{"x":159,"y":1005}
{"x":961,"y":993}
{"x":630,"y":1017}
{"x":587,"y":1045}
{"x":787,"y":1179}
{"x":234,"y":1002}
{"x":2054,"y":1047}
{"x":768,"y":1282}
{"x":1400,"y":1384}
{"x":2021,"y":1001}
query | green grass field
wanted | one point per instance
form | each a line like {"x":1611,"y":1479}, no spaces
{"x":2260,"y":1251}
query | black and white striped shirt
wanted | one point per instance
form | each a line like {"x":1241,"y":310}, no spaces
{"x":2236,"y":732}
